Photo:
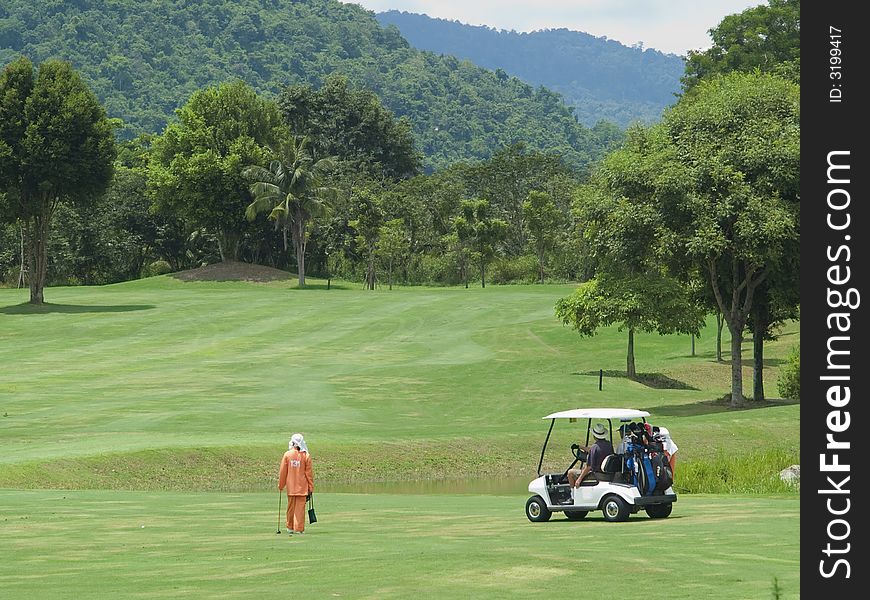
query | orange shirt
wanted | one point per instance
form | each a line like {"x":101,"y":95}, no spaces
{"x":296,"y":473}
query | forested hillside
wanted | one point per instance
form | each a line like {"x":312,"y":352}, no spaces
{"x":145,"y":58}
{"x":600,"y":78}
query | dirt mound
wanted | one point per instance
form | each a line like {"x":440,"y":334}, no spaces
{"x":233,"y":271}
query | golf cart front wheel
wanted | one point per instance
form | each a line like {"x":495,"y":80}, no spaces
{"x":576,"y":515}
{"x":659,"y":511}
{"x":615,"y":509}
{"x":536,"y":510}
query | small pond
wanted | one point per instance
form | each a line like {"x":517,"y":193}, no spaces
{"x":479,"y":486}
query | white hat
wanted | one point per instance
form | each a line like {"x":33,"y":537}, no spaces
{"x":663,"y":431}
{"x":297,"y":440}
{"x":599,"y":431}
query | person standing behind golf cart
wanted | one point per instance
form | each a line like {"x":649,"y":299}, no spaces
{"x":669,"y":446}
{"x":297,"y":475}
{"x":597,"y":451}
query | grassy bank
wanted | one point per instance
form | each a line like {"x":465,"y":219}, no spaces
{"x":253,"y":469}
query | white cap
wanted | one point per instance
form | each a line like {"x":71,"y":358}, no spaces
{"x":298,"y":441}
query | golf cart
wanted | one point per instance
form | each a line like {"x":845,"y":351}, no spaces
{"x":629,"y":482}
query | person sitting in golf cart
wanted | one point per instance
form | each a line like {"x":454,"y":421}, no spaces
{"x":597,"y":451}
{"x":622,"y":446}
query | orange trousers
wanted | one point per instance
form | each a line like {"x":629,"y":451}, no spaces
{"x":296,"y":513}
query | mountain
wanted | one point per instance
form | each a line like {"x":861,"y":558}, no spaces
{"x":144,"y":58}
{"x":600,"y":78}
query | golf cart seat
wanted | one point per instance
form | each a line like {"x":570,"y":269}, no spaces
{"x":613,"y":464}
{"x":613,"y":469}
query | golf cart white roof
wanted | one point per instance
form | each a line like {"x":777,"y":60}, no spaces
{"x":599,"y":413}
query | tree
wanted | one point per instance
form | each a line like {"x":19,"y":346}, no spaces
{"x":760,"y":39}
{"x":456,"y":246}
{"x":392,"y":246}
{"x":764,"y":38}
{"x":637,"y":282}
{"x":647,"y":302}
{"x":543,"y":220}
{"x":505,"y":181}
{"x":352,"y":125}
{"x":196,"y":167}
{"x":716,"y":189}
{"x":777,"y":300}
{"x":735,"y":139}
{"x":368,"y":219}
{"x":56,"y":146}
{"x":480,"y":232}
{"x":292,"y":191}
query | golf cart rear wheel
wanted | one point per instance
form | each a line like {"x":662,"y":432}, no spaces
{"x":536,"y":510}
{"x":576,"y":515}
{"x":615,"y":509}
{"x":659,"y":511}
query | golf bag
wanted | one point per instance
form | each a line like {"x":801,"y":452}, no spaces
{"x":649,"y":468}
{"x":312,"y":517}
{"x":643,"y":476}
{"x":661,"y":471}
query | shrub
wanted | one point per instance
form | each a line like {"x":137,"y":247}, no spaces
{"x":433,"y":269}
{"x":158,"y":267}
{"x":789,"y":383}
{"x":522,"y":269}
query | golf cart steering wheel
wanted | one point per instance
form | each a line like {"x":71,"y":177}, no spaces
{"x":579,"y":453}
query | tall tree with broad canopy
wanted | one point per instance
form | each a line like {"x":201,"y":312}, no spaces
{"x":292,"y":190}
{"x":352,"y":126}
{"x":642,"y":302}
{"x":196,"y":166}
{"x":740,"y":134}
{"x":636,"y":285}
{"x":764,"y":38}
{"x":720,"y":177}
{"x":56,"y":146}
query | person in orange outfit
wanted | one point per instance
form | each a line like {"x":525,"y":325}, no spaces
{"x":297,"y":475}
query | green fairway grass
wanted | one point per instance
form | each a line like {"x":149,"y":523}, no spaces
{"x":110,"y":544}
{"x":142,"y":424}
{"x":167,"y":384}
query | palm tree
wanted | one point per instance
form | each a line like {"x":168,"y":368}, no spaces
{"x":292,"y":190}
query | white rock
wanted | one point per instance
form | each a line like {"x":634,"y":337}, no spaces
{"x":791,"y":474}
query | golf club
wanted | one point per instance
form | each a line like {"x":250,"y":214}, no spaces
{"x":279,"y":512}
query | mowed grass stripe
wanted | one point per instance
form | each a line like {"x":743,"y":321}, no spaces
{"x":382,"y":546}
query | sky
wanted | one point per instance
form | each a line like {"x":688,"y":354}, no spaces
{"x":673,"y":26}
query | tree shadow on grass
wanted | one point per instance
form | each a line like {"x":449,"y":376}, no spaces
{"x":27,"y":308}
{"x":710,"y":356}
{"x":658,"y":381}
{"x":719,"y":405}
{"x":319,"y":286}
